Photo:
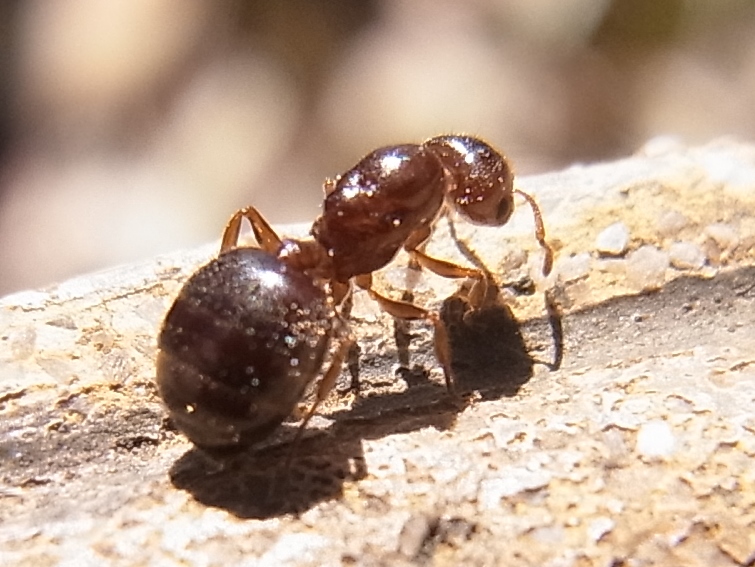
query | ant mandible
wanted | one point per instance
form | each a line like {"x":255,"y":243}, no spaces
{"x":249,"y":331}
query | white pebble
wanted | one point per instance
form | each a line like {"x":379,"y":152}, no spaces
{"x":512,"y":481}
{"x":646,"y":267}
{"x":655,"y":440}
{"x":599,"y":527}
{"x":686,"y":255}
{"x":299,"y":547}
{"x":548,"y":535}
{"x":614,"y":505}
{"x":671,"y":223}
{"x":723,"y":234}
{"x":613,"y":240}
{"x":573,"y":267}
{"x":611,"y":265}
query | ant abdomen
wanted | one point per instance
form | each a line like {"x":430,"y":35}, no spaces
{"x":239,"y":346}
{"x":482,"y":183}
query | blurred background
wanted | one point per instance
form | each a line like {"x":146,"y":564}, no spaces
{"x":130,"y":128}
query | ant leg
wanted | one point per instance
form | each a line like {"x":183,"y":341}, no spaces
{"x":326,"y":384}
{"x":539,"y":231}
{"x":267,"y":238}
{"x":402,"y":336}
{"x":401,"y":328}
{"x":479,"y":292}
{"x":410,"y":312}
{"x":344,"y":297}
{"x":557,"y":329}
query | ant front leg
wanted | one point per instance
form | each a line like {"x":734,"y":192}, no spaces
{"x":410,"y":312}
{"x":267,"y":238}
{"x":415,"y":245}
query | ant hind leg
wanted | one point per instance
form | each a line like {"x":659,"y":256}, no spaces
{"x":267,"y":238}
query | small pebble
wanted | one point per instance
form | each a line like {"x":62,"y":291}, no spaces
{"x":599,"y":527}
{"x":712,"y":251}
{"x":413,"y":535}
{"x":302,"y":547}
{"x":514,"y":481}
{"x":655,"y":439}
{"x":671,"y":223}
{"x":686,"y":256}
{"x":513,"y":259}
{"x":610,"y":265}
{"x":723,"y":234}
{"x":646,"y":267}
{"x":548,"y":535}
{"x":573,"y":267}
{"x":613,"y":240}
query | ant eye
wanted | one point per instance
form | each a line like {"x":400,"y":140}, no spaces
{"x":504,"y":211}
{"x":485,"y":211}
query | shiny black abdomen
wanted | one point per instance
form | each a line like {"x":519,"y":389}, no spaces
{"x":242,"y":341}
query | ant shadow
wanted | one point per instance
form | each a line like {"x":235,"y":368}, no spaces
{"x":489,"y":357}
{"x":490,"y":354}
{"x":255,"y":485}
{"x":496,"y":323}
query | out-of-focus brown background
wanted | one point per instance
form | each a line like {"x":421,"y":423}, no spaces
{"x":134,"y":127}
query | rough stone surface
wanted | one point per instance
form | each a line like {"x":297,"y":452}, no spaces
{"x":637,"y":450}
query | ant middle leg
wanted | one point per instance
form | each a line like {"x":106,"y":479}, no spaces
{"x":402,"y":335}
{"x":415,"y":246}
{"x":343,"y":295}
{"x":407,"y":311}
{"x":478,"y":293}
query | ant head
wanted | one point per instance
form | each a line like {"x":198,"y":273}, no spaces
{"x":489,"y":204}
{"x":481,"y":181}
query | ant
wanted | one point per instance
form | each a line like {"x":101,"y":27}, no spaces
{"x":250,"y":330}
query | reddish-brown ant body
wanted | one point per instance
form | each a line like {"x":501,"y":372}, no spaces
{"x":250,"y":330}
